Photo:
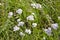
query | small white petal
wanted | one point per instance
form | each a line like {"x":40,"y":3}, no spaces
{"x":28,"y":31}
{"x":34,"y":24}
{"x":19,"y":11}
{"x":10,"y":14}
{"x":16,"y":28}
{"x":22,"y":34}
{"x":30,"y":17}
{"x":54,"y":26}
{"x":18,"y":20}
{"x":21,"y":23}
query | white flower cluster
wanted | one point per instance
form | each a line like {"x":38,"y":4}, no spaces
{"x":36,"y":5}
{"x":21,"y":23}
{"x":16,"y":28}
{"x":30,"y":17}
{"x":54,"y":26}
{"x":10,"y":14}
{"x":19,"y":11}
{"x":34,"y":24}
{"x":28,"y":31}
{"x":48,"y":31}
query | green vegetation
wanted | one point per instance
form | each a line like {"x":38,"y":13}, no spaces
{"x":50,"y":8}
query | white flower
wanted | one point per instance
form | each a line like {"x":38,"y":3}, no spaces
{"x":22,"y":34}
{"x":19,"y":11}
{"x":48,"y":31}
{"x":21,"y":23}
{"x":33,"y":5}
{"x":54,"y":26}
{"x":30,"y":17}
{"x":49,"y":28}
{"x":28,"y":31}
{"x":36,"y":5}
{"x":59,"y":17}
{"x":16,"y":28}
{"x":10,"y":14}
{"x":34,"y":24}
{"x":18,"y":20}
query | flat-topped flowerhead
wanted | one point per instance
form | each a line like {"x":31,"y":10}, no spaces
{"x":36,"y":5}
{"x":16,"y":28}
{"x":30,"y":17}
{"x":21,"y":23}
{"x":28,"y":31}
{"x":10,"y":14}
{"x":19,"y":11}
{"x":34,"y":24}
{"x":48,"y":31}
{"x":18,"y":20}
{"x":22,"y":34}
{"x":54,"y":26}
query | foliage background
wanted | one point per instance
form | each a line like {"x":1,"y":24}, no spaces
{"x":50,"y":7}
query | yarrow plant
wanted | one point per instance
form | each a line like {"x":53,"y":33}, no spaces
{"x":29,"y":20}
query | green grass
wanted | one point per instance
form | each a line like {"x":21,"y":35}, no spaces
{"x":50,"y":7}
